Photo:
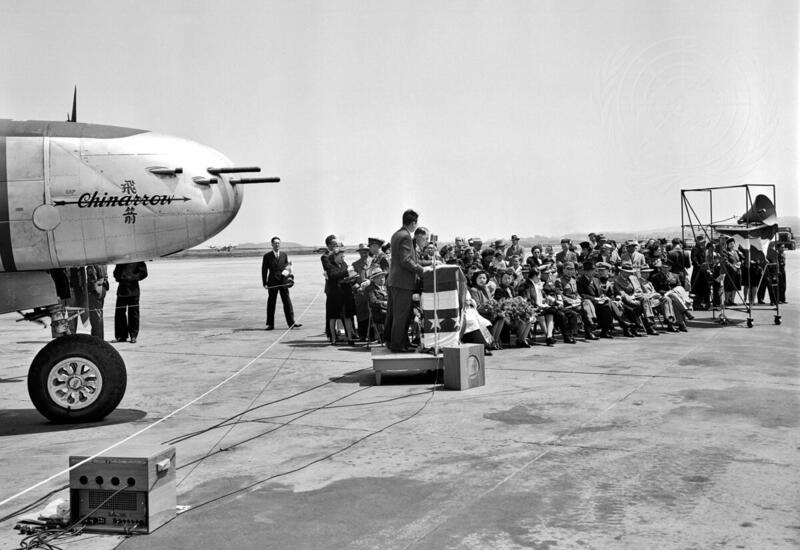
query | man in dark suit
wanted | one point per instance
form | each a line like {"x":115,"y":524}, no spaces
{"x":276,"y":277}
{"x":331,"y":242}
{"x":590,"y":289}
{"x":403,"y":271}
{"x":679,"y":259}
{"x":126,"y":311}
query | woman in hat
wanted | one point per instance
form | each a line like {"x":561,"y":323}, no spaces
{"x":505,"y":294}
{"x":532,"y":289}
{"x":486,"y":305}
{"x":340,"y":304}
{"x":498,"y":262}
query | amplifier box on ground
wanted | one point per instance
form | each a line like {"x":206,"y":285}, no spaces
{"x":130,"y":490}
{"x":464,"y":367}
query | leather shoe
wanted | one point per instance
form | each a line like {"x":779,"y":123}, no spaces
{"x":487,"y":352}
{"x":297,"y":325}
{"x":590,"y":336}
{"x":523,"y":344}
{"x":133,"y":340}
{"x":550,"y":341}
{"x":269,"y":327}
{"x":688,"y":315}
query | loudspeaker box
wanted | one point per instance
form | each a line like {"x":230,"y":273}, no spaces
{"x":464,"y":367}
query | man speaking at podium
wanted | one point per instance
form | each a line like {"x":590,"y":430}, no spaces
{"x":403,"y":271}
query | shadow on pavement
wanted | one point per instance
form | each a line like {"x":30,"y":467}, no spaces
{"x":29,"y":421}
{"x":366,"y":377}
{"x":712,"y":323}
{"x":306,"y":343}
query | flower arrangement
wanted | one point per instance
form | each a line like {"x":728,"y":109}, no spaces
{"x":491,"y":310}
{"x":517,"y":310}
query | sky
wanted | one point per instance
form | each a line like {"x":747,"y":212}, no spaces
{"x":487,"y":117}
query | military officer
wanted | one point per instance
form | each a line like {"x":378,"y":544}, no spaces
{"x":377,"y":257}
{"x":359,"y":290}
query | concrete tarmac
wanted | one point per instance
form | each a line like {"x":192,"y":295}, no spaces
{"x":684,"y":441}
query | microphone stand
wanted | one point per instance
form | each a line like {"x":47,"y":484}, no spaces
{"x":435,"y":310}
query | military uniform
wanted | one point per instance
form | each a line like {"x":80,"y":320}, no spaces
{"x":359,"y":292}
{"x":377,"y":257}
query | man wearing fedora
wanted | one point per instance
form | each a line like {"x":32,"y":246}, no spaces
{"x":476,"y":244}
{"x":572,"y":299}
{"x":679,"y":260}
{"x":668,"y":283}
{"x":632,"y":254}
{"x":276,"y":277}
{"x":701,"y":276}
{"x":565,"y":255}
{"x":515,"y":249}
{"x":637,"y":309}
{"x":590,"y":288}
{"x":359,"y":290}
{"x":403,"y":271}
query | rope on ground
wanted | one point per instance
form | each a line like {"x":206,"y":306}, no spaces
{"x":160,"y":420}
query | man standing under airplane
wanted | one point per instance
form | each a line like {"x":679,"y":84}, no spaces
{"x":126,"y":311}
{"x":403,"y":271}
{"x":276,"y":276}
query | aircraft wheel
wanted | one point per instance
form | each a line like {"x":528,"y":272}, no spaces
{"x":749,"y":323}
{"x":777,"y":319}
{"x":77,"y":378}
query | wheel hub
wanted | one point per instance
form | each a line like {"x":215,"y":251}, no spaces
{"x":74,"y":383}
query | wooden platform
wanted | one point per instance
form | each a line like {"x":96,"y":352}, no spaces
{"x":384,"y":361}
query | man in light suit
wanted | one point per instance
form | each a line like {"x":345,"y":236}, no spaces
{"x":276,"y":278}
{"x":403,"y":271}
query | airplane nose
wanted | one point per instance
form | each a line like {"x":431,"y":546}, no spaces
{"x":208,"y":202}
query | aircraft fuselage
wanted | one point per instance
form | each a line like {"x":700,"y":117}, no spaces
{"x":76,"y":194}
